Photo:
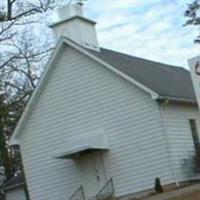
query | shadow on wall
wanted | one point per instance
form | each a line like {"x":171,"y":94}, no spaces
{"x":191,"y":164}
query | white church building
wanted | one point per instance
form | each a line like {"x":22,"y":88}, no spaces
{"x":102,"y":123}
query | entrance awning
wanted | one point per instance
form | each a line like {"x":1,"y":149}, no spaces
{"x":79,"y":145}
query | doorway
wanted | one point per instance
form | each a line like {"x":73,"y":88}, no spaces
{"x":93,"y":175}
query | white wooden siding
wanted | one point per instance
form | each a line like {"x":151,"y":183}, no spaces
{"x":176,"y":121}
{"x":16,"y":194}
{"x":79,"y":97}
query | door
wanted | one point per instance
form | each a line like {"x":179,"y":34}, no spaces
{"x":92,"y":172}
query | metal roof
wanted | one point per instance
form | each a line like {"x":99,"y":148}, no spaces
{"x":168,"y":81}
{"x":94,"y":141}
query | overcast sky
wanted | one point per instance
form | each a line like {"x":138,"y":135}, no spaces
{"x":151,"y":29}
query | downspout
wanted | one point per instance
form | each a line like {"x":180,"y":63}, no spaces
{"x":168,"y":148}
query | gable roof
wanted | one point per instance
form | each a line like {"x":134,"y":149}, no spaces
{"x":151,"y":77}
{"x":168,"y":81}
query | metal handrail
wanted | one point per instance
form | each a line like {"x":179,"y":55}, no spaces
{"x":106,"y":191}
{"x":78,"y":194}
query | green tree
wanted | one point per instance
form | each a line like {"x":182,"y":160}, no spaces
{"x":9,"y":114}
{"x":193,"y":16}
{"x":5,"y":159}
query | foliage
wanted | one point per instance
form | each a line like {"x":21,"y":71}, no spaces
{"x":23,"y":54}
{"x":9,"y":114}
{"x":192,"y":13}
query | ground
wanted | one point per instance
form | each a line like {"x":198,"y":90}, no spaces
{"x":187,"y":193}
{"x":192,"y":196}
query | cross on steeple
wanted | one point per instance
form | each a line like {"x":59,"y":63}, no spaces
{"x":79,"y":2}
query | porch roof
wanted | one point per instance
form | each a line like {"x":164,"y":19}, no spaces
{"x":76,"y":146}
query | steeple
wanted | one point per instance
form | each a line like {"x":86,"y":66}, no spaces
{"x":73,"y":25}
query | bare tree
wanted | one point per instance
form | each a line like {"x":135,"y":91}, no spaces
{"x":23,"y":62}
{"x":18,"y":54}
{"x":22,"y":57}
{"x":23,"y":54}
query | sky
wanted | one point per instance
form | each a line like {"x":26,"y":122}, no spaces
{"x":151,"y":29}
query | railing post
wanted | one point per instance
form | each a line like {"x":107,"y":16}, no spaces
{"x":77,"y":192}
{"x":106,"y":191}
{"x":82,"y":192}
